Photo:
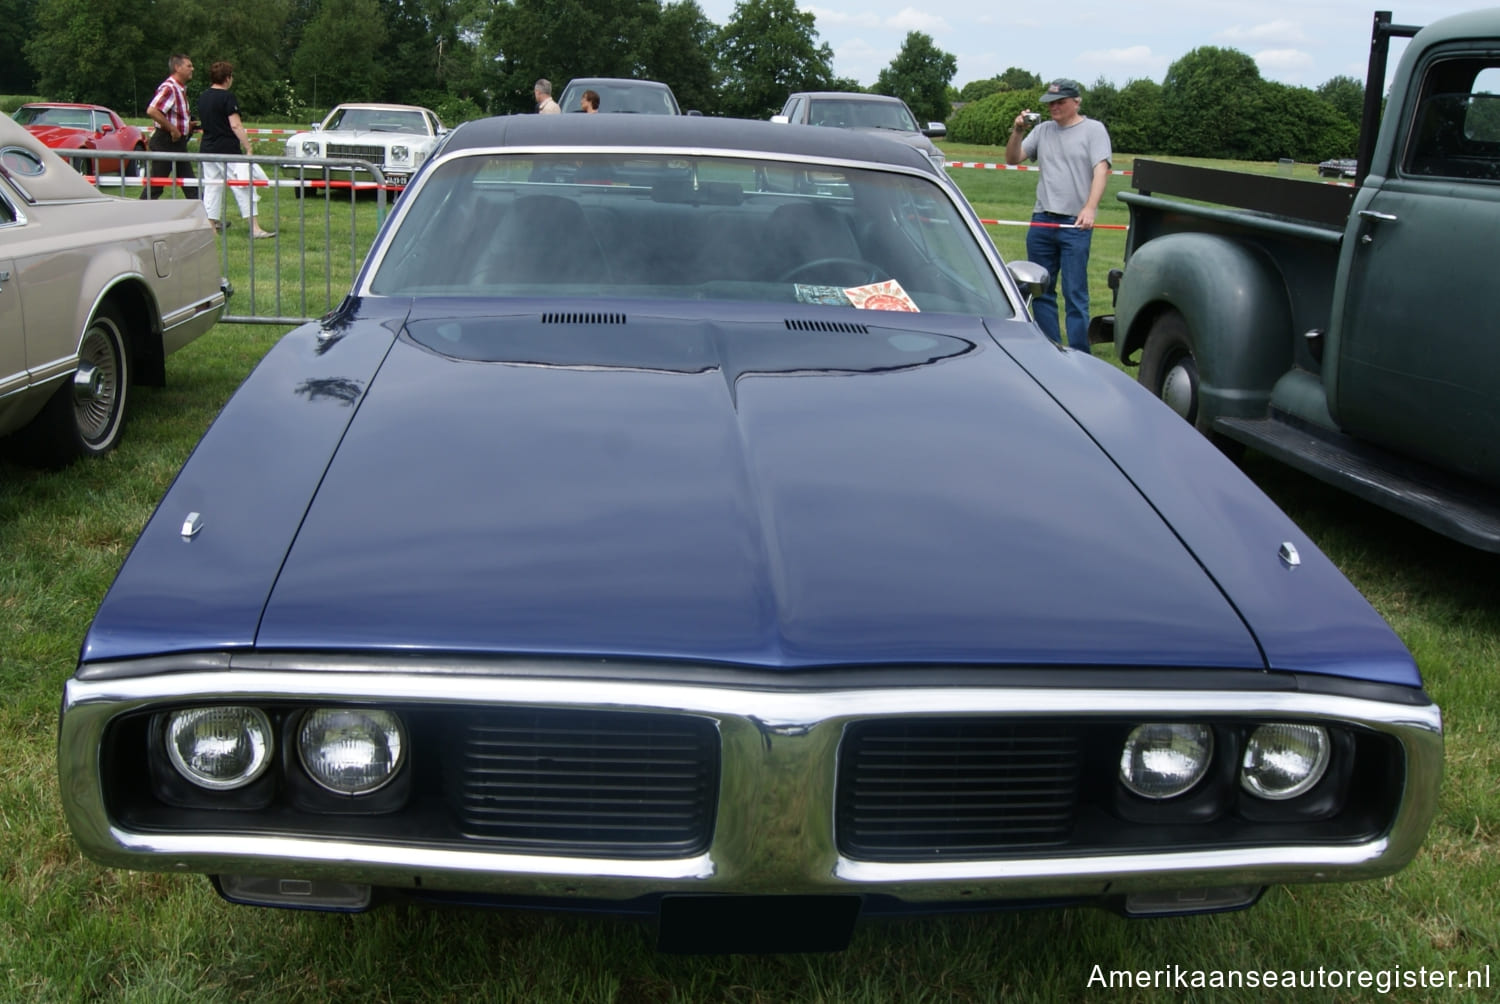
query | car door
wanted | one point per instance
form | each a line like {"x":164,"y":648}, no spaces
{"x":1418,"y":343}
{"x":12,"y":336}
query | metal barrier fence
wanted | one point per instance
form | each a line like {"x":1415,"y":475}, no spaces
{"x":298,"y":197}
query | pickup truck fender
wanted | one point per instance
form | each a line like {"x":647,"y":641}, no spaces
{"x":1234,"y":302}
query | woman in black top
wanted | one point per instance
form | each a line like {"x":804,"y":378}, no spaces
{"x":224,"y":133}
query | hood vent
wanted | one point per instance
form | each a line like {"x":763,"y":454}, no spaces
{"x":844,"y":326}
{"x":583,"y":318}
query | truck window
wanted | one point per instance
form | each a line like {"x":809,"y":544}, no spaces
{"x":1456,"y":130}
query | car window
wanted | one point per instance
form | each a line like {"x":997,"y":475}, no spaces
{"x":855,"y":114}
{"x":795,"y":109}
{"x":1456,"y":129}
{"x":692,"y":228}
{"x":378,"y":120}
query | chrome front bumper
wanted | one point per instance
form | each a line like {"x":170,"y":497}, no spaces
{"x":774,"y":829}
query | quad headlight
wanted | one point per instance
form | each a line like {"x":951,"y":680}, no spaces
{"x":350,"y":751}
{"x":1165,"y":759}
{"x":1284,"y":760}
{"x":218,"y":748}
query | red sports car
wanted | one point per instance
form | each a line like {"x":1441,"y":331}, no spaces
{"x":64,"y":126}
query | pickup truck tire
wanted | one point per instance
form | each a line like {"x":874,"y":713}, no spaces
{"x":1169,"y":369}
{"x":1169,"y":365}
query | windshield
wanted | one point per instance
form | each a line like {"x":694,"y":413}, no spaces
{"x":854,"y":114}
{"x":585,"y":226}
{"x":377,"y":120}
{"x":71,"y":118}
{"x":627,"y":97}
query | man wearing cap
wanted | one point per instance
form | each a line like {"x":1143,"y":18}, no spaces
{"x":1074,"y":156}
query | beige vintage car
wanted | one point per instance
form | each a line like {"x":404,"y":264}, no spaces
{"x":95,"y":292}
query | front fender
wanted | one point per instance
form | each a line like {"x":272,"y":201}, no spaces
{"x":1235,"y":303}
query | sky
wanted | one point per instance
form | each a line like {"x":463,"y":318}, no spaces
{"x":1302,"y":45}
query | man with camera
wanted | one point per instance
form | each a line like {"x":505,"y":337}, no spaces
{"x":1073,"y":152}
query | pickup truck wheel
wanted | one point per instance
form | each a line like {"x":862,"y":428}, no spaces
{"x":1169,"y":365}
{"x":1169,"y":368}
{"x":85,"y":415}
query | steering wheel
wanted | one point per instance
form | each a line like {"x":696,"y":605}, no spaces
{"x":871,"y":271}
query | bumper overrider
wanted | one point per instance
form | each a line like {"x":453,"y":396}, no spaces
{"x":599,"y":786}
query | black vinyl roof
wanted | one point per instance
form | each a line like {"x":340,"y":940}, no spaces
{"x":711,"y":135}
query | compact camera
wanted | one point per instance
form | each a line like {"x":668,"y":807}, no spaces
{"x":1032,"y":118}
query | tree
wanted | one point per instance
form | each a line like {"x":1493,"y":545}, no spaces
{"x":767,"y":50}
{"x":678,"y":52}
{"x":976,"y":89}
{"x":1347,"y":96}
{"x":1212,"y":105}
{"x":16,"y":75}
{"x":1134,"y":121}
{"x":1016,"y":79}
{"x":919,"y":75}
{"x":339,"y":57}
{"x":562,"y":39}
{"x":89,"y":50}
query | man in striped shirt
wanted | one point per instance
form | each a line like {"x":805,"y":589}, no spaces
{"x":170,"y":110}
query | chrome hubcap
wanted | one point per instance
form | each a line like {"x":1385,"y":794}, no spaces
{"x":1177,"y":390}
{"x":96,"y":386}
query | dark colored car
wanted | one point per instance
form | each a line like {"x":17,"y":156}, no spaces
{"x":683,"y":518}
{"x":621,"y":95}
{"x":875,"y":113}
{"x":67,"y":126}
{"x":1344,"y":167}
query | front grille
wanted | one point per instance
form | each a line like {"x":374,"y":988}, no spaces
{"x":589,"y":783}
{"x":357,"y":151}
{"x":961,"y":789}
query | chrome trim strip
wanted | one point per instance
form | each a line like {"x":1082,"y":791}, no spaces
{"x":774,"y":830}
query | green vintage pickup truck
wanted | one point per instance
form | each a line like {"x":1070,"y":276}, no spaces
{"x":1351,"y":332}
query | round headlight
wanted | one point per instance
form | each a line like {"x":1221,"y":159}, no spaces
{"x":1163,"y":760}
{"x":219,"y":748}
{"x":1284,"y":760}
{"x":350,"y":751}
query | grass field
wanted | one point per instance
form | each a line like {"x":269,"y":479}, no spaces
{"x":70,"y":930}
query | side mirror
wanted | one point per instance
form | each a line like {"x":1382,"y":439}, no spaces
{"x":935,"y":130}
{"x":1030,"y":276}
{"x":693,"y":111}
{"x":780,"y":118}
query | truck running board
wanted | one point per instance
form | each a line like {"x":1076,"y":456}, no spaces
{"x":1462,"y":510}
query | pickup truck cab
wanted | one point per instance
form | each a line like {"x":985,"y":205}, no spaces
{"x":1347,"y":331}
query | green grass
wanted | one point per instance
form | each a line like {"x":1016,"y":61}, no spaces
{"x":71,"y":930}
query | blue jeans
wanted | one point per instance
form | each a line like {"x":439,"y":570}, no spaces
{"x":1064,"y":253}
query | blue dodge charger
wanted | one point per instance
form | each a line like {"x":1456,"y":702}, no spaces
{"x":684,"y":519}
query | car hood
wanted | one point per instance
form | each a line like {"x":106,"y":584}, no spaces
{"x":364,"y":135}
{"x":776,"y":498}
{"x":58,"y":136}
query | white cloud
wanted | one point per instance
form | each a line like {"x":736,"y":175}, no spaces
{"x":1132,"y":61}
{"x":907,"y":19}
{"x":911,"y":19}
{"x":1272,"y":31}
{"x":1281,"y":63}
{"x":839,"y":19}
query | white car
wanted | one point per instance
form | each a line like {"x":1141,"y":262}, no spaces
{"x":395,"y":138}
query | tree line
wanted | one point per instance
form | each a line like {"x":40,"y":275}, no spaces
{"x":1212,"y":102}
{"x":469,"y":58}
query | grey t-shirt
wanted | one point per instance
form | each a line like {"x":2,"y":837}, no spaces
{"x":1067,"y":158}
